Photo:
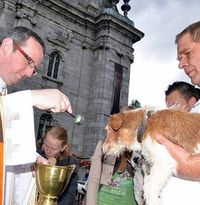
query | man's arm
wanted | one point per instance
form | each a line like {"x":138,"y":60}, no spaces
{"x":18,"y":115}
{"x":188,"y":165}
{"x":51,"y":99}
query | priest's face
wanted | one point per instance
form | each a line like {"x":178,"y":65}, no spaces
{"x":19,"y":61}
{"x":52,"y":146}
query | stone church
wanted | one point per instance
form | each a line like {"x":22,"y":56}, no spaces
{"x":89,"y":53}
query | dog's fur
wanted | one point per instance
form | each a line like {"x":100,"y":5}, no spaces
{"x":140,"y":168}
{"x":182,"y":128}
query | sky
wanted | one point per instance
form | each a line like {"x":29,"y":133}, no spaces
{"x":155,"y":65}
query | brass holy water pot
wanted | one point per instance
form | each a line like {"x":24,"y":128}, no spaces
{"x":51,"y":181}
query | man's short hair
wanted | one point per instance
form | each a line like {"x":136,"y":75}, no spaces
{"x":193,"y":29}
{"x":185,"y":89}
{"x":20,"y":34}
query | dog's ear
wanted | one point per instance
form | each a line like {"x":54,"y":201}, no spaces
{"x":116,"y":121}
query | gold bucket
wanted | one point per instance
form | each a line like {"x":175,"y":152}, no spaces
{"x":51,"y":181}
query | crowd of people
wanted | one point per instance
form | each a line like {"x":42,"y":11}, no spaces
{"x":186,"y":97}
{"x":188,"y":52}
{"x":21,"y":52}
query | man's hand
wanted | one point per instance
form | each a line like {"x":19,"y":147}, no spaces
{"x":51,"y":99}
{"x":188,"y":165}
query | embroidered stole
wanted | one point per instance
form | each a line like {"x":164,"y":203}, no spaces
{"x":2,"y":153}
{"x":2,"y":167}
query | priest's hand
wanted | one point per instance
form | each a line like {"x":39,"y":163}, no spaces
{"x":42,"y":160}
{"x":188,"y":166}
{"x":51,"y":99}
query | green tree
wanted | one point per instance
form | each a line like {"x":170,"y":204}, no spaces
{"x":135,"y":104}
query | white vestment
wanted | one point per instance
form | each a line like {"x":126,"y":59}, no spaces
{"x":20,"y":146}
{"x":179,"y":191}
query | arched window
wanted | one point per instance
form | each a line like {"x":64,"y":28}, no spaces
{"x":54,"y":61}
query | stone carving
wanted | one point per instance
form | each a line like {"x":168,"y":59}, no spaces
{"x":110,"y":3}
{"x":126,"y":7}
{"x":1,"y":4}
{"x":23,"y":10}
{"x":61,"y":39}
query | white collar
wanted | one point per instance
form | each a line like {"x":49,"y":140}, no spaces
{"x":2,"y":83}
{"x":2,"y":86}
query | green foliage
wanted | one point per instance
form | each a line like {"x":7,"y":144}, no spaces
{"x":135,"y":104}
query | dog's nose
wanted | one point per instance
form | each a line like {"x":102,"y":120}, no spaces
{"x":136,"y":160}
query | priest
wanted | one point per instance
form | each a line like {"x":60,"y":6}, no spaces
{"x":21,"y":52}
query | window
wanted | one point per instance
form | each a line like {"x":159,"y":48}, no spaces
{"x":54,"y":61}
{"x":44,"y":124}
{"x":118,"y":76}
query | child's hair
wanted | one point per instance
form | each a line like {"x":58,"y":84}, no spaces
{"x":59,"y":133}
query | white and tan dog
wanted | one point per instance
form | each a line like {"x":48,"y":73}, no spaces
{"x":136,"y":129}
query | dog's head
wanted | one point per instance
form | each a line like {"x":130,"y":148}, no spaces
{"x":122,"y":131}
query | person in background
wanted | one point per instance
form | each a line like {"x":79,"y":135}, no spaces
{"x":21,"y":52}
{"x":108,"y":172}
{"x":188,"y":52}
{"x":182,"y":94}
{"x":55,"y":145}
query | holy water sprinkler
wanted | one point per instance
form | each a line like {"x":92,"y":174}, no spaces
{"x":78,"y":119}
